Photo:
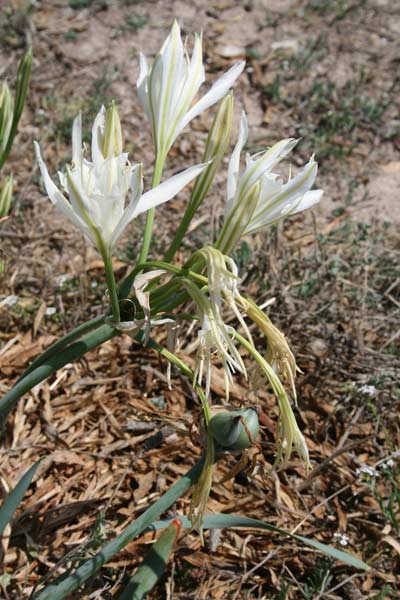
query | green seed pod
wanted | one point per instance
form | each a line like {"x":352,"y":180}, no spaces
{"x":234,"y":430}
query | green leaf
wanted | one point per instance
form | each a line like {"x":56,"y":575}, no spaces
{"x":153,"y":565}
{"x":75,"y":350}
{"x":66,"y":585}
{"x":13,"y":499}
{"x":221,"y":521}
{"x":23,"y":75}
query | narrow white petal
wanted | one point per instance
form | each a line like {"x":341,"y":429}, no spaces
{"x":142,"y":85}
{"x":82,"y":203}
{"x":291,"y":198}
{"x":97,"y":137}
{"x":77,"y":141}
{"x":309,"y":200}
{"x":234,"y":163}
{"x":168,"y":189}
{"x":136,"y":192}
{"x":217,"y":91}
{"x":144,"y":70}
{"x":166,"y":79}
{"x":57,"y":198}
{"x":194,"y":78}
{"x":265,"y":163}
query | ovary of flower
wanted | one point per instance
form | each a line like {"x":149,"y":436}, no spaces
{"x":98,"y":190}
{"x":258,"y":197}
{"x":166,"y":90}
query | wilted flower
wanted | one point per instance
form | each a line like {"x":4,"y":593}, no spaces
{"x":166,"y":90}
{"x":98,"y":190}
{"x":223,"y":279}
{"x":215,"y":338}
{"x":259,"y":197}
{"x":289,"y":434}
{"x":279,"y":354}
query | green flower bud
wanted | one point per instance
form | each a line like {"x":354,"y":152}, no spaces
{"x":6,"y":115}
{"x":5,"y":197}
{"x":112,"y":140}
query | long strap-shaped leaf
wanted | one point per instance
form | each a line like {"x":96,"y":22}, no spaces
{"x":61,"y":589}
{"x":14,"y":498}
{"x":153,"y":565}
{"x":221,"y":521}
{"x":72,"y":352}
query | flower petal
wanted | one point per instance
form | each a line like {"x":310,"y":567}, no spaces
{"x":289,"y":200}
{"x":168,"y":189}
{"x":234,"y":163}
{"x":142,"y":84}
{"x":57,"y":198}
{"x":136,"y":192}
{"x":97,"y":137}
{"x":217,"y":91}
{"x":77,"y":141}
{"x":262,"y":165}
{"x":309,"y":200}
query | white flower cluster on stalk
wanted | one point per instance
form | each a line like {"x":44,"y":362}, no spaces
{"x":103,"y":195}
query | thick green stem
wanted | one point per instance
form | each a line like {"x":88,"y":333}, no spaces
{"x":110,"y":278}
{"x":148,"y":230}
{"x":92,"y":565}
{"x":183,"y":227}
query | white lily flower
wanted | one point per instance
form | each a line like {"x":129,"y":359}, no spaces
{"x":258,"y":197}
{"x":98,"y":190}
{"x":166,"y":90}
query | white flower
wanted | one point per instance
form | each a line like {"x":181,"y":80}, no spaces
{"x":166,"y":90}
{"x":342,"y":538}
{"x":258,"y":197}
{"x":98,"y":190}
{"x":367,"y":471}
{"x":368,"y":390}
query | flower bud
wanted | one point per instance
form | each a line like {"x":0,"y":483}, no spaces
{"x":112,"y":140}
{"x":6,"y":116}
{"x":5,"y":197}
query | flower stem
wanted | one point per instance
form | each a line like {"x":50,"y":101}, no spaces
{"x":112,"y":286}
{"x":158,"y":169}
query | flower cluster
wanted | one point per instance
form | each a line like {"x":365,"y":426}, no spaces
{"x":103,"y":195}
